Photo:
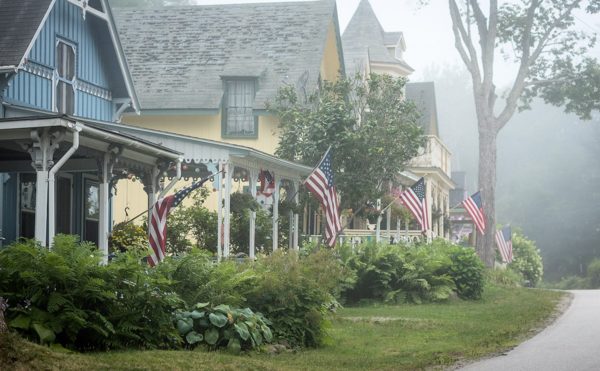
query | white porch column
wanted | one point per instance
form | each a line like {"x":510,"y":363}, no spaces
{"x":41,"y":206}
{"x":227,"y":216}
{"x":103,"y":199}
{"x":252,"y":238}
{"x":275,"y":237}
{"x":388,"y":220}
{"x":379,"y":218}
{"x":295,"y":244}
{"x":220,"y":213}
{"x":42,"y":153}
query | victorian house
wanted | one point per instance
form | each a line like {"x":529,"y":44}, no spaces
{"x":368,"y":48}
{"x":63,"y":79}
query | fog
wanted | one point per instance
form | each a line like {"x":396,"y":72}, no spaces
{"x":548,"y":172}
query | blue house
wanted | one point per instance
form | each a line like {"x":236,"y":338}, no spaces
{"x":63,"y":77}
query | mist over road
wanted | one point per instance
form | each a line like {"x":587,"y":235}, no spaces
{"x":571,"y":343}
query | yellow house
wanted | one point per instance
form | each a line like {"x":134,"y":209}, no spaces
{"x":368,"y":48}
{"x":209,"y":72}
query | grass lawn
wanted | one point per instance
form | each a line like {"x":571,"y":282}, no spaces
{"x":367,"y":337}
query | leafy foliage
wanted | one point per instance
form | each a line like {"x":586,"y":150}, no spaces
{"x":223,"y":326}
{"x":372,"y":129}
{"x":65,"y":295}
{"x":415,"y":274}
{"x":593,"y":274}
{"x":295,"y":293}
{"x":467,"y":272}
{"x":527,"y":260}
{"x":128,"y":236}
{"x":504,"y":277}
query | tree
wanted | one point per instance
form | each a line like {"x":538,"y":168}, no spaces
{"x":540,"y":37}
{"x":371,"y":128}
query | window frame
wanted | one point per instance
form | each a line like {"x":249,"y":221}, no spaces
{"x":57,"y":79}
{"x":224,"y":107}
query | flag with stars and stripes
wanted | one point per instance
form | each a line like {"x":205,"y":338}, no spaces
{"x":415,"y":200}
{"x":157,"y":228}
{"x":320,"y":184}
{"x":474,"y":207}
{"x":504,"y":242}
{"x":267,"y":183}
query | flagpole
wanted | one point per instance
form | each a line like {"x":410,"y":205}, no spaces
{"x":152,"y":207}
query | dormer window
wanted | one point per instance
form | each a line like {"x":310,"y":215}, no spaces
{"x":238,"y":102}
{"x":65,"y":78}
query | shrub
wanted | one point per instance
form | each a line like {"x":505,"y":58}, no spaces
{"x":378,"y":270}
{"x":65,"y":295}
{"x":593,"y":274}
{"x":504,"y":277}
{"x":141,"y":312}
{"x":197,"y":278}
{"x":223,"y":326}
{"x":295,"y":293}
{"x":527,"y":260}
{"x":413,"y":274}
{"x":467,"y":272}
{"x":572,"y":283}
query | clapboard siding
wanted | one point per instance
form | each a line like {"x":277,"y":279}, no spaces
{"x":33,"y":85}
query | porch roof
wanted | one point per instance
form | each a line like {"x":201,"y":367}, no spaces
{"x":93,"y":137}
{"x":198,"y":150}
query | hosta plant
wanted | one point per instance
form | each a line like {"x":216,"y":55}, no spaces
{"x":222,"y":326}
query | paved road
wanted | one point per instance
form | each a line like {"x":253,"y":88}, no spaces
{"x":572,"y":343}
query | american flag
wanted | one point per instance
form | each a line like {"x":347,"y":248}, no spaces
{"x":267,"y":183}
{"x":474,"y":207}
{"x":504,"y":242}
{"x":157,"y":230}
{"x":414,"y":199}
{"x":320,"y":184}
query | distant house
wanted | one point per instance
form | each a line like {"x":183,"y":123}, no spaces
{"x":368,"y":48}
{"x":204,"y":75}
{"x":63,"y":75}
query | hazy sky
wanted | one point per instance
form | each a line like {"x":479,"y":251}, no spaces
{"x":427,"y":30}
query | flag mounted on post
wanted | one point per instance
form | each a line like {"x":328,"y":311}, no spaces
{"x":320,"y":184}
{"x":157,"y":228}
{"x":474,"y":207}
{"x":267,"y":183}
{"x":414,"y":198}
{"x":504,"y":242}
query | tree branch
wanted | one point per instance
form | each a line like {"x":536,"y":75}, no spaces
{"x":528,"y":59}
{"x":519,"y":83}
{"x":462,"y":39}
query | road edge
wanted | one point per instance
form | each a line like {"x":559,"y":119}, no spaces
{"x":561,"y":307}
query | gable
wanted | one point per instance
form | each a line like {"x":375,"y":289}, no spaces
{"x":366,"y":43}
{"x":100,"y":77}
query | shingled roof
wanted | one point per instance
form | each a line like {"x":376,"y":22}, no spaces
{"x":179,"y":55}
{"x":19,"y":21}
{"x":422,"y":94}
{"x":365,"y":41}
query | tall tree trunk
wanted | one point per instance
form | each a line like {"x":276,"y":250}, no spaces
{"x":487,"y":186}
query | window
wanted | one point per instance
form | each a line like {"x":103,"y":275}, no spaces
{"x":27,"y":205}
{"x":238,"y":117}
{"x":65,"y":69}
{"x":91,"y":211}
